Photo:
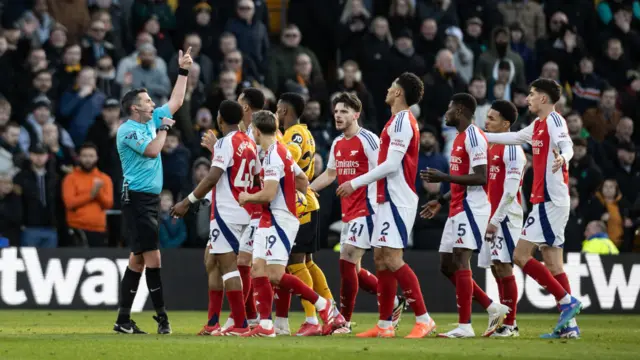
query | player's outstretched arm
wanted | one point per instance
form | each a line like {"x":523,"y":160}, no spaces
{"x":431,"y":208}
{"x":479,"y":177}
{"x":180,"y":88}
{"x":511,"y":138}
{"x":509,"y":194}
{"x":264,"y":196}
{"x":391,"y":164}
{"x":325,"y":179}
{"x":203,"y":188}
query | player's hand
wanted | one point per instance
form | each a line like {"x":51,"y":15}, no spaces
{"x":178,"y":210}
{"x":209,"y":140}
{"x":168,"y":121}
{"x":243,"y":198}
{"x":315,"y":193}
{"x":558,"y":163}
{"x":184,"y":59}
{"x":433,"y":175}
{"x":430,"y":209}
{"x":490,"y":235}
{"x":345,"y":189}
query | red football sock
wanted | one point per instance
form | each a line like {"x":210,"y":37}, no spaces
{"x":292,"y":283}
{"x":250,"y":305}
{"x":510,"y":293}
{"x":282,"y":299}
{"x":215,"y":306}
{"x":411,"y":289}
{"x":542,"y":275}
{"x":478,"y":294}
{"x":264,"y":295}
{"x":464,"y":295}
{"x":236,"y":303}
{"x":500,"y":283}
{"x":348,"y":288}
{"x":247,"y":291}
{"x":387,"y":286}
{"x":564,"y":281}
{"x":367,"y":281}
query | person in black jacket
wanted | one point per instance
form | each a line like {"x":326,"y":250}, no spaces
{"x":37,"y":186}
{"x":10,"y":211}
{"x":584,"y":174}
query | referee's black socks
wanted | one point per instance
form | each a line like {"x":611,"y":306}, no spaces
{"x":154,"y":283}
{"x":128,"y":289}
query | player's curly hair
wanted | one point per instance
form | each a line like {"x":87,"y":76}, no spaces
{"x":231,"y":112}
{"x":549,"y":87}
{"x":412,"y":86}
{"x":466,"y":102}
{"x":254,"y":98}
{"x":349,"y":100}
{"x":506,"y":109}
{"x":295,"y":100}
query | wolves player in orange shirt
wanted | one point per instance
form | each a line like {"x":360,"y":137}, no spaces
{"x":352,"y":154}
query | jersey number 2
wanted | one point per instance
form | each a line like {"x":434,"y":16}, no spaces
{"x":244,"y":179}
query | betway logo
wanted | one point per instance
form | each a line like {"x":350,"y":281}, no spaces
{"x":627,"y":288}
{"x":99,"y":286}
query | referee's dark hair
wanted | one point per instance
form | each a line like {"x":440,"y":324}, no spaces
{"x":254,"y":98}
{"x":506,"y":109}
{"x":466,"y":102}
{"x":295,"y":100}
{"x":130,"y":98}
{"x":349,"y":100}
{"x":549,"y":87}
{"x":231,"y":112}
{"x":265,"y":121}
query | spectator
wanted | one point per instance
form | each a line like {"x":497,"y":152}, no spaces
{"x":106,"y":78}
{"x":627,"y":173}
{"x":610,"y":206}
{"x":480,"y":11}
{"x":500,"y":83}
{"x":350,"y":80}
{"x":519,"y":46}
{"x":95,"y":46}
{"x":443,"y":11}
{"x":597,"y":241}
{"x":373,"y":60}
{"x":630,"y":98}
{"x":5,"y":111}
{"x":226,"y":89}
{"x":584,"y":174}
{"x":320,"y":127}
{"x":64,"y":156}
{"x":199,"y":18}
{"x":113,"y":32}
{"x":429,"y":42}
{"x":579,"y":13}
{"x":430,"y":157}
{"x":441,"y":83}
{"x":80,"y":107}
{"x":198,"y":222}
{"x":145,"y":75}
{"x":227,"y":44}
{"x":87,"y":193}
{"x":127,"y":64}
{"x":66,"y":74}
{"x":45,"y":22}
{"x":31,"y":132}
{"x":194,"y":42}
{"x":76,"y":21}
{"x":195,"y":95}
{"x":142,"y":10}
{"x":575,"y":224}
{"x":161,"y":39}
{"x":622,"y":135}
{"x":462,"y":56}
{"x":574,"y":125}
{"x":488,"y":62}
{"x":10,"y":210}
{"x":519,"y":96}
{"x":175,"y":165}
{"x":620,"y":28}
{"x":527,"y":13}
{"x":251,"y":34}
{"x":474,"y":38}
{"x":587,"y":87}
{"x":306,"y":82}
{"x":602,"y":121}
{"x":402,"y":17}
{"x":352,"y":28}
{"x":172,"y":231}
{"x":246,"y":73}
{"x":11,"y":155}
{"x":478,"y":89}
{"x":614,"y":65}
{"x":282,"y":59}
{"x":54,"y":47}
{"x":38,"y":190}
{"x":404,"y":57}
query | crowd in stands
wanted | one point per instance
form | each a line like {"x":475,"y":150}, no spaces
{"x":65,"y":64}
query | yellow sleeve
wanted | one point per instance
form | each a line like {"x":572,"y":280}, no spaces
{"x":293,"y":140}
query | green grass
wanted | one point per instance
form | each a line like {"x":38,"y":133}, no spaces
{"x":71,"y":335}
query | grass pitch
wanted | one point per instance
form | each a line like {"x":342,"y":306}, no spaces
{"x":73,"y":335}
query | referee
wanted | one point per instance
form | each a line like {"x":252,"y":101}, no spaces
{"x":140,"y":140}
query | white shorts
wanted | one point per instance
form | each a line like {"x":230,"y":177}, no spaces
{"x":246,"y":241}
{"x":224,"y":237}
{"x":545,"y":224}
{"x":274,"y":243}
{"x":392,"y":226}
{"x":501,"y":249}
{"x":464,"y":230}
{"x":357,"y":232}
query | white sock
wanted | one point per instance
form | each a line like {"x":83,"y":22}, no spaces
{"x":572,"y":323}
{"x":396,"y":301}
{"x":466,"y":327}
{"x":320,"y":303}
{"x":311,"y":320}
{"x":384,"y":324}
{"x":565,"y":300}
{"x":266,"y":324}
{"x":281,"y":323}
{"x":424,"y":318}
{"x":493,"y":308}
{"x":336,"y":312}
{"x":230,"y":323}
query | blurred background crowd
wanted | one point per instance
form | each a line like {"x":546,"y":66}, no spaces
{"x":64,"y":65}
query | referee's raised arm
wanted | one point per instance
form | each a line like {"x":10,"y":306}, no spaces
{"x":140,"y":140}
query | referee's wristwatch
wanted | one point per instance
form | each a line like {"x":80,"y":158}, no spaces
{"x":163,"y":128}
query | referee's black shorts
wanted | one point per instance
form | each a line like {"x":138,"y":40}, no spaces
{"x":307,"y":238}
{"x":140,"y":221}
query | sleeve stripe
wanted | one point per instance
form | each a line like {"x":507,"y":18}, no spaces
{"x":512,"y":154}
{"x":400,"y":117}
{"x":365,"y":134}
{"x":556,"y":119}
{"x":472,"y":136}
{"x":219,"y":143}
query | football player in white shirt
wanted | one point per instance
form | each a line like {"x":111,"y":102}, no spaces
{"x":544,"y":228}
